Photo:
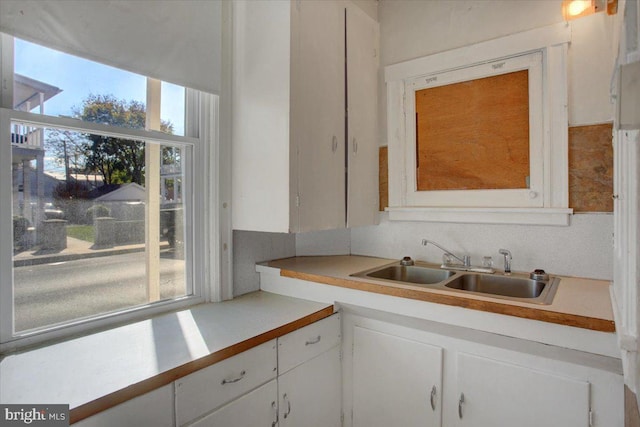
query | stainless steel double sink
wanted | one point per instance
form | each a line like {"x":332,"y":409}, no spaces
{"x":515,"y":287}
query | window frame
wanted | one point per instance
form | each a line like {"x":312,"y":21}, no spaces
{"x":480,"y":198}
{"x":552,"y":42}
{"x":204,"y":258}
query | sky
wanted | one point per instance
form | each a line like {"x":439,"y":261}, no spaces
{"x":79,"y":78}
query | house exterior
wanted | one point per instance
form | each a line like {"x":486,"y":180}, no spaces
{"x":27,"y":147}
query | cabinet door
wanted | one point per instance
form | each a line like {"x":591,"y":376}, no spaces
{"x":255,"y":409}
{"x":362,"y":117}
{"x":501,"y":394}
{"x":396,"y":381}
{"x":310,"y":393}
{"x":318,"y":113}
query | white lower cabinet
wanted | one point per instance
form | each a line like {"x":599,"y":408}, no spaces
{"x":294,"y":381}
{"x":493,"y":392}
{"x":396,"y":381}
{"x":310,"y":375}
{"x":310,"y":393}
{"x":151,"y":409}
{"x":204,"y":391}
{"x":254,"y":409}
{"x":395,"y":375}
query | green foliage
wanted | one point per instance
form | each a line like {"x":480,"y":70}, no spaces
{"x":118,"y":160}
{"x":82,"y":232}
{"x":71,"y":190}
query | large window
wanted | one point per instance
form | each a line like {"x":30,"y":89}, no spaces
{"x":103,"y":176}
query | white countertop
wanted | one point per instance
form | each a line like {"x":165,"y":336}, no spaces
{"x":81,"y":370}
{"x":580,"y":316}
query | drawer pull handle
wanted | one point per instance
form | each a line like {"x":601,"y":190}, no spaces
{"x":460,"y":402}
{"x":434,"y":393}
{"x":234,"y":380}
{"x":315,"y":341}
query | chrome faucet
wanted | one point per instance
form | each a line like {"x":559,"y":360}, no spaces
{"x":465,"y":260}
{"x":507,"y":260}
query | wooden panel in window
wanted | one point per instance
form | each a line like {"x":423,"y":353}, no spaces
{"x":474,"y":134}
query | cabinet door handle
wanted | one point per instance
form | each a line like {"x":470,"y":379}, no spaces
{"x":460,"y":402}
{"x":434,"y":393}
{"x":334,"y":144}
{"x":285,"y":398}
{"x":355,"y":146}
{"x":275,"y":414}
{"x":234,"y":380}
{"x":315,"y":341}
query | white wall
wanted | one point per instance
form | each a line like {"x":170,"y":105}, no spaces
{"x":251,"y":247}
{"x":411,"y":29}
{"x":584,"y":249}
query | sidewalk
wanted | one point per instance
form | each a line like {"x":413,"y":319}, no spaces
{"x":76,"y":249}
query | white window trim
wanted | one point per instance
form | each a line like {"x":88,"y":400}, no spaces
{"x":548,"y":197}
{"x":211,"y":272}
{"x":484,"y":198}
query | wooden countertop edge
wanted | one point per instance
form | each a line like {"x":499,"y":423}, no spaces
{"x":91,"y":408}
{"x":567,"y":319}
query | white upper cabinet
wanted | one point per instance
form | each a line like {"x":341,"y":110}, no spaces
{"x":297,"y":68}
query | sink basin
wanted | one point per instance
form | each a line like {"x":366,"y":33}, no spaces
{"x":410,"y":274}
{"x":508,"y":287}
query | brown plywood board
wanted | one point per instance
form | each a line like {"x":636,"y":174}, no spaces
{"x":474,"y":134}
{"x":383,"y":177}
{"x":591,"y":168}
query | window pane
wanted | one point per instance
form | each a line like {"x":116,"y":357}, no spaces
{"x":87,"y":90}
{"x":80,"y":225}
{"x":172,"y":108}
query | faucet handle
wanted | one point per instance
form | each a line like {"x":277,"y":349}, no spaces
{"x":466,"y":260}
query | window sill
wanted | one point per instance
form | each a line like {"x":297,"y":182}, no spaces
{"x":522,"y":216}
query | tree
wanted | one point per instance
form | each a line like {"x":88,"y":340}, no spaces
{"x":117,"y":160}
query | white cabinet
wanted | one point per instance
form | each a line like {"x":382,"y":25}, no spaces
{"x":310,"y":393}
{"x":208,"y":389}
{"x":310,"y":375}
{"x":396,"y":381}
{"x":254,"y":409}
{"x":294,"y":79}
{"x":496,"y":393}
{"x":151,"y":409}
{"x":292,"y":381}
{"x":448,"y":376}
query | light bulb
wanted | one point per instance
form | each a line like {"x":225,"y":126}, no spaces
{"x":576,"y":7}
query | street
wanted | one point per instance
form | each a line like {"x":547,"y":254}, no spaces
{"x":46,"y":294}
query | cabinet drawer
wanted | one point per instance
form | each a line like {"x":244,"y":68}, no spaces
{"x":209,"y":388}
{"x":299,"y":346}
{"x":151,"y":409}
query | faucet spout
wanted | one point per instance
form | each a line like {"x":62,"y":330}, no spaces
{"x":465,"y":260}
{"x":507,"y":260}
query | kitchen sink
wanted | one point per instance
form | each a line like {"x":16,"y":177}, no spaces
{"x":415,"y":274}
{"x":508,"y":287}
{"x":516,"y":287}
